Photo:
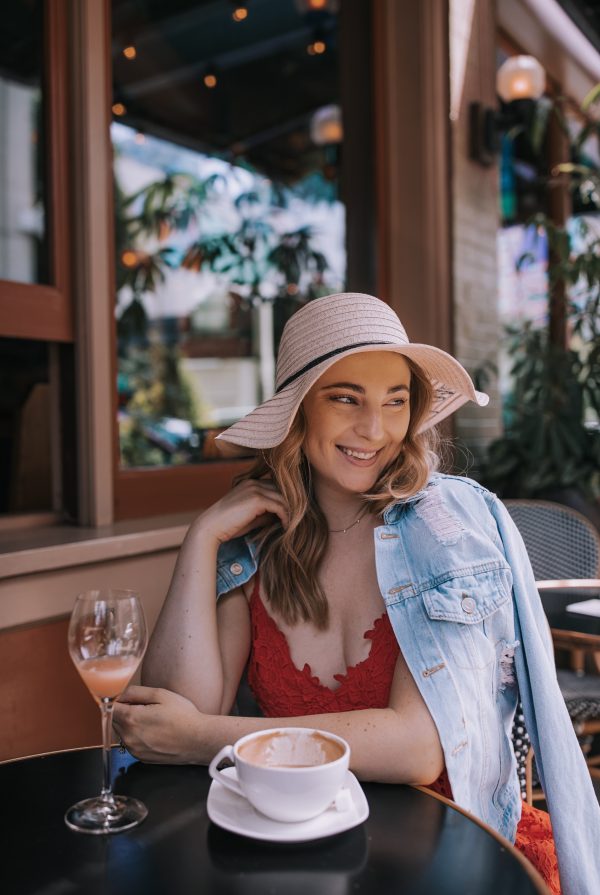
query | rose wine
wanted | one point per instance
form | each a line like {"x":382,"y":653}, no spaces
{"x":107,"y":676}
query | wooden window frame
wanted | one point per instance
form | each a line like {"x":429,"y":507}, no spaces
{"x":31,"y":310}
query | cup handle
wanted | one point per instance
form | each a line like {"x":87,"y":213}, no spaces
{"x":227,"y":782}
{"x":343,"y":800}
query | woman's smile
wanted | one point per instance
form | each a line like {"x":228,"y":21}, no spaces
{"x":357,"y":456}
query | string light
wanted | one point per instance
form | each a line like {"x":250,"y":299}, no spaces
{"x":130,"y":52}
{"x":239,"y":13}
{"x":210,"y":80}
{"x":119,"y":109}
{"x":316,"y":48}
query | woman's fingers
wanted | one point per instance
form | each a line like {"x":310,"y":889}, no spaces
{"x":244,"y":508}
{"x":138,"y":695}
{"x":157,"y":725}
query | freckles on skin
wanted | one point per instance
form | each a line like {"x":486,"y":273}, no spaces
{"x":357,"y":416}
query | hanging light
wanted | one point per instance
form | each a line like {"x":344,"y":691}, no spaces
{"x":240,"y":13}
{"x":316,"y":48}
{"x":520,"y":77}
{"x":210,"y":78}
{"x":520,"y":82}
{"x":326,"y":126}
{"x":119,"y":109}
{"x":130,"y":52}
{"x":305,"y":7}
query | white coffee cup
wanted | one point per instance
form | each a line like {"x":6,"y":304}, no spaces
{"x":289,"y":774}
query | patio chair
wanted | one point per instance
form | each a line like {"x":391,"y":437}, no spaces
{"x":564,"y":549}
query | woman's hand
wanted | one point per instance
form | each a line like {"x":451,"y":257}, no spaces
{"x":159,"y":726}
{"x":252,"y":503}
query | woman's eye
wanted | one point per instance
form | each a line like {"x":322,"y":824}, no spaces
{"x":343,"y":399}
{"x":399,"y":402}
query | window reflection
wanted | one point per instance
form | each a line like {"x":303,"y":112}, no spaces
{"x":227,"y":138}
{"x":23,"y":242}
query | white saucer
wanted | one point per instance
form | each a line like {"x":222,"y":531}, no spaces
{"x":236,"y":814}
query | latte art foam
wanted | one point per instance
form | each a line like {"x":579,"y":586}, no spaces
{"x":283,"y":750}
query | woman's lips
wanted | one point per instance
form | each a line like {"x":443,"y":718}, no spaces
{"x":360,"y":460}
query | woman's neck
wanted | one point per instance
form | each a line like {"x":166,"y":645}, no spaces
{"x":340,"y":510}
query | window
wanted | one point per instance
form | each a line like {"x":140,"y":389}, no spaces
{"x":230,"y":213}
{"x":34,"y":291}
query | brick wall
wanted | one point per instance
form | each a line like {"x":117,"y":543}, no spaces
{"x":475,"y":213}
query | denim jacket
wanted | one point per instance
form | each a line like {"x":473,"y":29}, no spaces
{"x":461,"y":597}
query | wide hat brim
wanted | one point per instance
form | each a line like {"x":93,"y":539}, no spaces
{"x":268,"y":424}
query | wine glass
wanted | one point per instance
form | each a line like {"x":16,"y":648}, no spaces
{"x":107,"y":639}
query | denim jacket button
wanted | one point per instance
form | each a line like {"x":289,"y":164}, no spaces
{"x":236,"y":568}
{"x":468,"y":604}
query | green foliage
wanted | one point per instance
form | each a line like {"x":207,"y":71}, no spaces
{"x":552,"y":432}
{"x":551,"y":437}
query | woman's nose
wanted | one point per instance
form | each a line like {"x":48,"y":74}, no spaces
{"x":370,"y":424}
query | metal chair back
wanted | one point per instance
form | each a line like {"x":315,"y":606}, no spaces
{"x":560,"y":541}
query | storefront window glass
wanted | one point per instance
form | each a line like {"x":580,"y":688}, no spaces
{"x":227,"y":136}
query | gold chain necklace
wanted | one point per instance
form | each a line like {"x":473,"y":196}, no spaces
{"x":342,"y":531}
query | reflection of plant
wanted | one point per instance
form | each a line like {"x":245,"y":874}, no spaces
{"x":552,"y":431}
{"x":247,"y":255}
{"x":154,"y":388}
{"x":157,"y":386}
{"x":250,"y":253}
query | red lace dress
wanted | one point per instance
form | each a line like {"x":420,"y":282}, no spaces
{"x":282,"y":690}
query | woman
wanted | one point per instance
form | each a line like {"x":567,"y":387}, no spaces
{"x":369,"y":595}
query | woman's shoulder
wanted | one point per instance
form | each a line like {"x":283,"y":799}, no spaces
{"x":460,"y":488}
{"x":459,"y":492}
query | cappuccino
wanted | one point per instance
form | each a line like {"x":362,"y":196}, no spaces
{"x":290,"y":750}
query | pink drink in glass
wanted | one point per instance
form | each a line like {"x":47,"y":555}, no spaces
{"x":107,"y":676}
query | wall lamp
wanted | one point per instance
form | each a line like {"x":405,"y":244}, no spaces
{"x":520,"y":82}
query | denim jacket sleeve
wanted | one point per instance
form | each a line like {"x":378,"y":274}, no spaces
{"x":236,"y":564}
{"x":564,"y":775}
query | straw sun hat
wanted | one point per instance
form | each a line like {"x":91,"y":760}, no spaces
{"x":323,"y":332}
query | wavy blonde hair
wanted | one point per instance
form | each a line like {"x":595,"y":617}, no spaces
{"x":290,"y":558}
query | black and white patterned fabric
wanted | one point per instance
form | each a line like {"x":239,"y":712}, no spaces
{"x":521,"y":745}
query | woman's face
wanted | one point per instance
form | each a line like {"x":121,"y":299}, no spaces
{"x":357,"y":415}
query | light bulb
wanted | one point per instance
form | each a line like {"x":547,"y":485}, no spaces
{"x":520,"y":77}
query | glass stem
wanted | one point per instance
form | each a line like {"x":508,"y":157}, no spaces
{"x":106,"y":708}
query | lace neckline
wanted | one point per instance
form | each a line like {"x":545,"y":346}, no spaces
{"x":378,"y":627}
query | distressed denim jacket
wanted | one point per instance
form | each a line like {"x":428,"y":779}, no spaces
{"x":461,"y":597}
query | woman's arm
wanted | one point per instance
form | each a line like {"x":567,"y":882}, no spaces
{"x":398,"y":744}
{"x":198,"y":647}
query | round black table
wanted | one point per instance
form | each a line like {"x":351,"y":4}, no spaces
{"x":412,"y":844}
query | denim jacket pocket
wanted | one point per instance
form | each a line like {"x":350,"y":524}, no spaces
{"x":471,"y":600}
{"x":470,"y":595}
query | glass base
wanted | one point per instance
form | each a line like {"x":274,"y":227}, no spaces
{"x":99,"y":815}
